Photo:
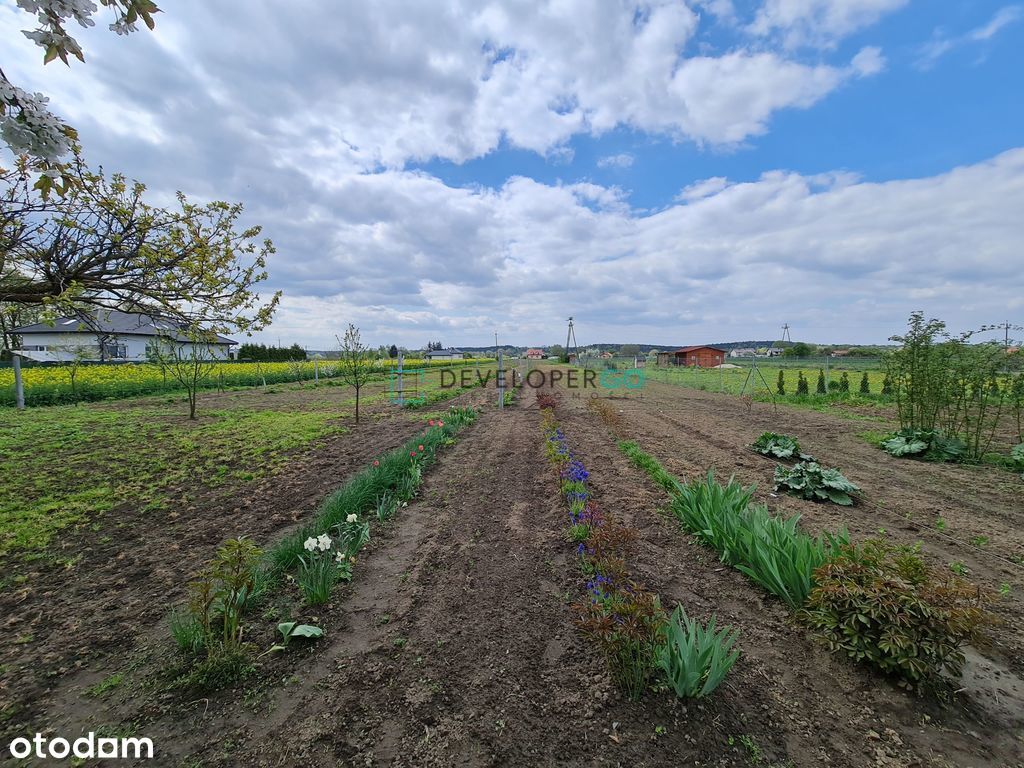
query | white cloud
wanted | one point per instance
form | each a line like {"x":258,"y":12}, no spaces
{"x":838,"y":258}
{"x":621,"y":160}
{"x":819,"y":23}
{"x":401,"y":82}
{"x":941,"y":43}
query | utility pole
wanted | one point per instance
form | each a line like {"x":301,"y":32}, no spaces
{"x":785,"y":333}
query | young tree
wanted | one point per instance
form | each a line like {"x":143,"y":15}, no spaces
{"x":865,"y":385}
{"x":393,"y":352}
{"x":780,"y":386}
{"x":844,"y":382}
{"x":101,"y":247}
{"x":26,"y":124}
{"x":820,"y":388}
{"x":189,"y":358}
{"x":801,"y":384}
{"x":353,"y":367}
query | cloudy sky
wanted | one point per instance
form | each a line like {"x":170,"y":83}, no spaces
{"x":668,"y":172}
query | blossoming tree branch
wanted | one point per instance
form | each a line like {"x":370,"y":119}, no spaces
{"x":27,"y":125}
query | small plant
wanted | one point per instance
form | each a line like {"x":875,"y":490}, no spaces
{"x":925,"y":444}
{"x":353,"y":534}
{"x":320,"y":569}
{"x":627,"y":626}
{"x":696,"y":658}
{"x":780,"y":385}
{"x":865,"y":384}
{"x":387,"y":506}
{"x":1017,"y":453}
{"x":844,"y":382}
{"x":881,"y":604}
{"x":779,"y":446}
{"x":290,"y":629}
{"x":979,"y":541}
{"x":649,"y":464}
{"x":810,"y":480}
{"x":187,"y":631}
{"x":820,"y":388}
{"x":958,"y":568}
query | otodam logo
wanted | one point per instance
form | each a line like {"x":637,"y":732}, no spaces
{"x":87,"y":747}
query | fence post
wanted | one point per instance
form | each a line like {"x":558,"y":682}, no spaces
{"x":827,"y":379}
{"x":399,"y":392}
{"x":501,"y":381}
{"x":316,"y":371}
{"x":19,"y":387}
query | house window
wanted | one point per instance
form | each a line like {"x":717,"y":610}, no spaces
{"x":34,"y":348}
{"x":115,"y":351}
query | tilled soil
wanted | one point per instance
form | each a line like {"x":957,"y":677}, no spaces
{"x":455,"y":643}
{"x":67,"y":624}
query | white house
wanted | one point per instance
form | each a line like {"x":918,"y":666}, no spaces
{"x":109,"y":336}
{"x":743,"y":352}
{"x":444,"y":354}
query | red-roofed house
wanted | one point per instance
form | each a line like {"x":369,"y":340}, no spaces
{"x":535,"y":354}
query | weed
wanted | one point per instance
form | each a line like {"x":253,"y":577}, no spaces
{"x":105,"y":686}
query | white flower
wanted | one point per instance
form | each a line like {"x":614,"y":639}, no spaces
{"x":351,"y":518}
{"x":323,"y":541}
{"x":310,"y":544}
{"x":340,"y":558}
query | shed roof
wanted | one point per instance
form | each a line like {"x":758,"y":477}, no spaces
{"x":114,"y":322}
{"x":683,"y":350}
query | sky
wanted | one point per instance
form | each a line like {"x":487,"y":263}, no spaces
{"x":665,"y":172}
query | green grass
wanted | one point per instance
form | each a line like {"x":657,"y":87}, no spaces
{"x":68,"y":465}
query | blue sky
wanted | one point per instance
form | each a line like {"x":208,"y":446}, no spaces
{"x":916,"y":119}
{"x":671,"y":171}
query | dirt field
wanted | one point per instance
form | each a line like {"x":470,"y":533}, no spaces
{"x":455,"y":643}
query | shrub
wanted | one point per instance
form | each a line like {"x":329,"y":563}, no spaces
{"x":881,"y":604}
{"x":626,"y":621}
{"x":802,"y":387}
{"x":865,"y":384}
{"x":774,"y":444}
{"x":844,"y":382}
{"x":695,"y":658}
{"x":780,"y":385}
{"x":218,"y":597}
{"x":810,"y":480}
{"x":820,"y":389}
{"x":886,"y":386}
{"x":221,"y":668}
{"x":833,"y":386}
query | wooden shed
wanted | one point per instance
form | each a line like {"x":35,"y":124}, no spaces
{"x":699,"y":357}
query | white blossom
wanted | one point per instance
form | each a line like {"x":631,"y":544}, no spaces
{"x":340,"y":558}
{"x":351,"y":518}
{"x":310,"y":544}
{"x":323,"y":542}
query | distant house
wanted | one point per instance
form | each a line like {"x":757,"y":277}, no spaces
{"x":699,"y":356}
{"x":840,"y":353}
{"x":444,"y":354}
{"x":663,"y":358}
{"x":743,"y":352}
{"x":607,"y":355}
{"x":535,"y":354}
{"x":109,"y":336}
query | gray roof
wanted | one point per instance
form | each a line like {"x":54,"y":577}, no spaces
{"x":444,"y":352}
{"x":113,"y":322}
